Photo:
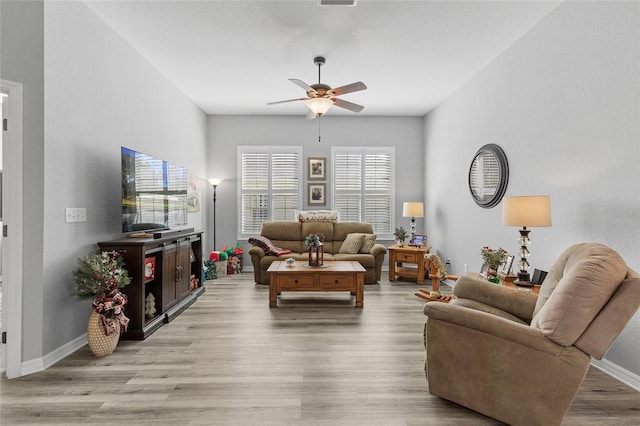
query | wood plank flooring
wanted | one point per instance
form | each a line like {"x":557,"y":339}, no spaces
{"x":314,"y":360}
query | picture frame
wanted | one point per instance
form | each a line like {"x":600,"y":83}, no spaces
{"x":418,"y":240}
{"x":505,"y":268}
{"x":484,"y":271}
{"x":538,"y":277}
{"x":317,"y":194}
{"x":317,"y":168}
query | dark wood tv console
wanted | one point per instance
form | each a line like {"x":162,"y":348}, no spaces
{"x":169,"y":263}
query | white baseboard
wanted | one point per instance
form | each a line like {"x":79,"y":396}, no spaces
{"x":618,"y":373}
{"x":40,"y":364}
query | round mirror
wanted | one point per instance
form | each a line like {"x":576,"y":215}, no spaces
{"x":488,"y":176}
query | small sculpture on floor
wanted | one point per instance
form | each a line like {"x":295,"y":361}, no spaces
{"x":437,"y":272}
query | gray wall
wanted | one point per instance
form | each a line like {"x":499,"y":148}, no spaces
{"x":87,"y":92}
{"x":564,"y":104}
{"x":226,"y":132}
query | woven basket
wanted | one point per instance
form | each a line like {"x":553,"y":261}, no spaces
{"x":100,"y":344}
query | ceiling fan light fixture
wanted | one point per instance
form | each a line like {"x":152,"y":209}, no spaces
{"x":319,"y":105}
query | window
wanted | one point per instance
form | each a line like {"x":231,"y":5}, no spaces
{"x":270,"y":186}
{"x":363,"y":186}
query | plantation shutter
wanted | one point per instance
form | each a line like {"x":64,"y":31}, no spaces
{"x":377,"y":189}
{"x":285,"y":181}
{"x":347,"y":186}
{"x":270,"y":186}
{"x":363,"y":186}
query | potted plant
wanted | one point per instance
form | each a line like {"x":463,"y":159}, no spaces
{"x":100,"y":277}
{"x":493,"y":259}
{"x":400,"y":235}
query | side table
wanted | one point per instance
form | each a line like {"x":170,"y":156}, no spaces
{"x":407,"y":254}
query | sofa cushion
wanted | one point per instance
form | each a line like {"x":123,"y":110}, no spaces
{"x":269,"y":248}
{"x":368,"y":243}
{"x":352,"y":244}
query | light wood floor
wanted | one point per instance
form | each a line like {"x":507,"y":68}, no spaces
{"x":314,"y":360}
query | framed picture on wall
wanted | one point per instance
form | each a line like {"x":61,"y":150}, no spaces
{"x":317,"y":194}
{"x":317,"y":168}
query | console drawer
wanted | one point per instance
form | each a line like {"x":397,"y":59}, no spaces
{"x":292,"y":282}
{"x":337,"y":281}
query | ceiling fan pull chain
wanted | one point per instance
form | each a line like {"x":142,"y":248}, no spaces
{"x":319,"y":120}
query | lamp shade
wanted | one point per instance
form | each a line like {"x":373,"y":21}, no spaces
{"x":413,"y":209}
{"x":215,"y":181}
{"x":533,"y":210}
{"x":319,"y":106}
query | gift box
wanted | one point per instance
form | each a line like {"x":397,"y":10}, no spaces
{"x":221,"y":267}
{"x":234,"y":259}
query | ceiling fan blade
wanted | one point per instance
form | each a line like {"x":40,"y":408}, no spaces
{"x":347,"y":105}
{"x":311,"y":115}
{"x":348,"y":88}
{"x":302,"y":84}
{"x":288,"y":100}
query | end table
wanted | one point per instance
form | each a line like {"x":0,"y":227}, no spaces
{"x":407,"y":254}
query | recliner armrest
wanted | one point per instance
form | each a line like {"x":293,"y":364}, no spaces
{"x":256,"y":251}
{"x":378,"y":249}
{"x":492,"y":325}
{"x":511,"y":300}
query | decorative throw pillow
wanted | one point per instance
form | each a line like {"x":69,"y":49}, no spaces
{"x":352,"y":243}
{"x":331,"y":216}
{"x":367,"y":243}
{"x":267,"y":246}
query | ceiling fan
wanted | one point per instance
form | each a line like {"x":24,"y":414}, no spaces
{"x":321,"y":97}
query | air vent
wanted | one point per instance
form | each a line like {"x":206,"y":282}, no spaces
{"x":337,"y":2}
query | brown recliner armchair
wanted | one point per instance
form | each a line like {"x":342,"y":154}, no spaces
{"x":521,"y":358}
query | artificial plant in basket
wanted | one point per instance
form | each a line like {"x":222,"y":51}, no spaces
{"x":101,"y":276}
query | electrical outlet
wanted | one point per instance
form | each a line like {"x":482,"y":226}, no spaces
{"x":75,"y":214}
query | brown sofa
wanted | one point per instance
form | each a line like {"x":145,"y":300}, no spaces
{"x":521,"y":358}
{"x":290,"y":236}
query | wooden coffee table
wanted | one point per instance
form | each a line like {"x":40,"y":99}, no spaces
{"x":334,"y":276}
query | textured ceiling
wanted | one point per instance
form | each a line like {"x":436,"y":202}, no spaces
{"x":232,"y":57}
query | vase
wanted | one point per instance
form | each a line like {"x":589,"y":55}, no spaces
{"x":492,"y":275}
{"x":100,"y":344}
{"x":400,"y":243}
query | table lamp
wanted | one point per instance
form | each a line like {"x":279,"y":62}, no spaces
{"x":533,"y":210}
{"x":412,"y":209}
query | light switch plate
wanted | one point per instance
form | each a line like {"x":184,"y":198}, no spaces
{"x":75,"y":214}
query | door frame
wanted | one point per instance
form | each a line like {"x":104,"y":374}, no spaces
{"x":12,"y":217}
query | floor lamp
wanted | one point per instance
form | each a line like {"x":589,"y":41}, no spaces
{"x":526,"y":211}
{"x":214,"y":182}
{"x":412,"y":210}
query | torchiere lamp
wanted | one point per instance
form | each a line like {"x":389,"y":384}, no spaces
{"x":214,"y":182}
{"x":534,"y":210}
{"x":412,"y":210}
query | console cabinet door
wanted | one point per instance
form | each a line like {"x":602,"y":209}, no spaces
{"x":169,"y":276}
{"x":183,"y":268}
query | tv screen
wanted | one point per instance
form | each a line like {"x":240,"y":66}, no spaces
{"x":154,"y":193}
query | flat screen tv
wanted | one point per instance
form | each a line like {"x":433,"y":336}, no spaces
{"x":154,"y":193}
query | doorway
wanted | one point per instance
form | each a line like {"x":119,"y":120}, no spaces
{"x":11,"y":244}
